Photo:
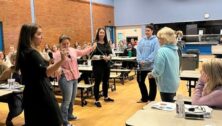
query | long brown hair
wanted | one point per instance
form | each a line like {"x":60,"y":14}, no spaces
{"x":105,"y":37}
{"x":24,"y":43}
{"x":213,"y":70}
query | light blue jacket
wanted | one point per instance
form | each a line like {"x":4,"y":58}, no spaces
{"x":166,"y":69}
{"x":146,"y":52}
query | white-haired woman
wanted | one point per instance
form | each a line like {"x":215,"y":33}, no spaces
{"x":166,"y":65}
{"x":208,"y":90}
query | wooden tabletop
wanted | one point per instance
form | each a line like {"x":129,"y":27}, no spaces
{"x":5,"y":92}
{"x":190,"y":74}
{"x":123,"y":58}
{"x":154,"y":117}
{"x":89,"y":68}
{"x":216,"y":49}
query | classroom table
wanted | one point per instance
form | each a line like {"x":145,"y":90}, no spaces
{"x":83,"y":68}
{"x":217,"y":50}
{"x":4,"y":89}
{"x":123,"y":58}
{"x":190,"y":76}
{"x":5,"y":92}
{"x":154,"y":117}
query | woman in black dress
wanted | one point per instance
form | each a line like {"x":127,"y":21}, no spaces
{"x":40,"y":105}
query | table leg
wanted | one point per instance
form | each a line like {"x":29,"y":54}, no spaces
{"x":189,"y":90}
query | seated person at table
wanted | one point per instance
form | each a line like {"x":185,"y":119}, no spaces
{"x":130,"y":50}
{"x":83,"y":60}
{"x":85,"y":76}
{"x":112,"y":45}
{"x":14,"y":100}
{"x":208,"y":90}
{"x":3,"y":64}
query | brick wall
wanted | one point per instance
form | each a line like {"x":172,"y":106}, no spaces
{"x":71,"y":17}
{"x":13,"y":13}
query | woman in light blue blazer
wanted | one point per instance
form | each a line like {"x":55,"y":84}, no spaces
{"x":166,"y":65}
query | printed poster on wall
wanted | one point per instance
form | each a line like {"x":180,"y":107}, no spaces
{"x":120,"y":37}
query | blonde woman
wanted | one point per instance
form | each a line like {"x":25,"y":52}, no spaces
{"x":208,"y":90}
{"x":166,"y":65}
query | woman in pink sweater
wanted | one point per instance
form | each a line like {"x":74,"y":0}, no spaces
{"x":68,"y":78}
{"x":208,"y":90}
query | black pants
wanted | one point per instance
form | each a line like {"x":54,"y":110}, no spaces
{"x":167,"y":97}
{"x":15,"y":106}
{"x":141,"y":76}
{"x":101,"y":73}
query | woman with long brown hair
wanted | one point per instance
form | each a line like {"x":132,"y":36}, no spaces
{"x":40,"y":105}
{"x":101,"y":66}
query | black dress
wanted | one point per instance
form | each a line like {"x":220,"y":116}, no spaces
{"x":40,"y":105}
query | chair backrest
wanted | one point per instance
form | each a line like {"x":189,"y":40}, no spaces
{"x":197,"y":52}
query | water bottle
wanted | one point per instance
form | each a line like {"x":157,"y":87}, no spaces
{"x":11,"y":83}
{"x":180,"y":109}
{"x":89,"y":62}
{"x":129,"y":53}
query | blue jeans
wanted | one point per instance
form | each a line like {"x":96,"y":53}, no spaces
{"x":69,"y":90}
